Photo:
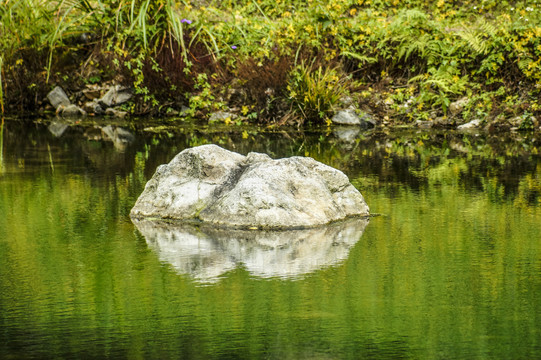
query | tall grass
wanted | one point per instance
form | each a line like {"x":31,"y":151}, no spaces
{"x":24,"y":24}
{"x":313,"y":93}
{"x":40,"y":24}
{"x":1,"y":86}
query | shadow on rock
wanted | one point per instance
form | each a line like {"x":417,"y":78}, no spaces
{"x":206,"y":253}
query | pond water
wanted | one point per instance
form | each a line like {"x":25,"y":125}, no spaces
{"x":450,"y":268}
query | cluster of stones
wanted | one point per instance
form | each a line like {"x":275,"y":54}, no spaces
{"x":97,"y":105}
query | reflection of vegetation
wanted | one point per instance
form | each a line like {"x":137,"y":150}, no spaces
{"x":451,"y":270}
{"x":2,"y":146}
{"x":403,"y":158}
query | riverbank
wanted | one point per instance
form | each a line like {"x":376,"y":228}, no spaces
{"x":429,"y":64}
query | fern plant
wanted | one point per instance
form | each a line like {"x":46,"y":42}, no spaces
{"x":439,"y":85}
{"x":480,"y":36}
{"x":413,"y":33}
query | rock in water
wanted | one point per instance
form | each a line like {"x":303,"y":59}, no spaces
{"x":220,"y":187}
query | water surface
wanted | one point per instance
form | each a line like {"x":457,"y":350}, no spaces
{"x":450,"y":269}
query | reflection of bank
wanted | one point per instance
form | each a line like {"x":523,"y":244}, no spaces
{"x":2,"y":145}
{"x":120,"y":137}
{"x":205,"y":253}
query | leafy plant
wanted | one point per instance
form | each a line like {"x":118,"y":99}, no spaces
{"x":440,"y":84}
{"x":1,"y":86}
{"x":204,"y":101}
{"x":478,"y":37}
{"x":313,"y":93}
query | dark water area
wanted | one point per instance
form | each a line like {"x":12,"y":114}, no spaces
{"x":450,"y":268}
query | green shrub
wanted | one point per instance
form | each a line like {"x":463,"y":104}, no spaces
{"x":314,"y":93}
{"x":1,"y":86}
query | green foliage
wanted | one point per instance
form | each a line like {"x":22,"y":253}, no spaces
{"x":478,"y":37}
{"x":1,"y":85}
{"x":440,"y":84}
{"x":313,"y":93}
{"x":412,"y":33}
{"x":203,"y":101}
{"x":527,"y":123}
{"x":446,"y":49}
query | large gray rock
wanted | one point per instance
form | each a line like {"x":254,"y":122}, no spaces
{"x":93,"y":107}
{"x":474,"y":124}
{"x":206,"y":253}
{"x":222,"y":116}
{"x":116,"y":95}
{"x":459,"y":105}
{"x":57,"y":97}
{"x":216,"y":186}
{"x":70,"y":111}
{"x":350,"y":117}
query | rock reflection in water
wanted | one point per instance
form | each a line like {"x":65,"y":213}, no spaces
{"x":207,"y":253}
{"x":58,"y":128}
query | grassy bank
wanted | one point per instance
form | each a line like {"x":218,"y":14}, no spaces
{"x":282,"y":61}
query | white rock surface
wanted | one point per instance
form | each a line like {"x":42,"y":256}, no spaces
{"x":346,"y":117}
{"x":70,"y":111}
{"x":459,"y":105}
{"x":116,"y":95}
{"x":474,"y":124}
{"x":57,"y":97}
{"x":351,"y":117}
{"x":220,"y":187}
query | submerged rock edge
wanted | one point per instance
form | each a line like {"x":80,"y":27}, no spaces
{"x":208,"y":184}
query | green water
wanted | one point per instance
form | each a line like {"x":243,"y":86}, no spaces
{"x":451,"y":269}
